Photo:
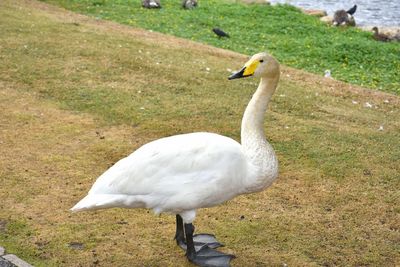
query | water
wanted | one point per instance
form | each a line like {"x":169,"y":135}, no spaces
{"x":369,"y":12}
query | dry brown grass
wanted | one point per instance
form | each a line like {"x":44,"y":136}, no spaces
{"x":336,"y":202}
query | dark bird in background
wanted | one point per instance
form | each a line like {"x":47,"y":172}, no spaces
{"x":385,"y":37}
{"x":151,"y":4}
{"x":220,"y":33}
{"x":189,"y":4}
{"x":380,"y":36}
{"x":352,"y":10}
{"x":344,"y":18}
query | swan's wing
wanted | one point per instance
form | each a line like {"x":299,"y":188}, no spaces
{"x":176,"y":164}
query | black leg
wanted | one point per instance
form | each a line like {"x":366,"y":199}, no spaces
{"x":179,"y":235}
{"x":190,"y":251}
{"x":198,"y":239}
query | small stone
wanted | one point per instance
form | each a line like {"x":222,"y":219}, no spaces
{"x":16,"y":261}
{"x":76,"y":245}
{"x":367,"y":172}
{"x":314,"y":12}
{"x":327,"y":74}
{"x":5,"y":263}
{"x":2,"y":251}
{"x":327,"y":19}
{"x":367,"y":105}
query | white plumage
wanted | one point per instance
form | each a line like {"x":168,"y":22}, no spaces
{"x":182,"y":173}
{"x":172,"y":174}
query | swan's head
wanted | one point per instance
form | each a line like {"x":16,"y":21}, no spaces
{"x":259,"y":65}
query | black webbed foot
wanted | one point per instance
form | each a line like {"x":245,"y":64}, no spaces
{"x":201,"y":240}
{"x":207,"y":239}
{"x":208,"y":257}
{"x":200,"y":248}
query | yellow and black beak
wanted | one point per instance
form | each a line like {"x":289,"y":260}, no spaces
{"x":238,"y":74}
{"x":248,"y":70}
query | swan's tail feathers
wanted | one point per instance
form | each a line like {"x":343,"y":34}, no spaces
{"x":106,"y":201}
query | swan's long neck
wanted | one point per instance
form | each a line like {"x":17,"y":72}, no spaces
{"x":263,"y":165}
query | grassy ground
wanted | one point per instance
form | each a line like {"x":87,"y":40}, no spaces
{"x":77,"y":94}
{"x":296,"y":39}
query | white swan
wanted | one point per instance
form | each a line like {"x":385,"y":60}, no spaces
{"x":182,"y":173}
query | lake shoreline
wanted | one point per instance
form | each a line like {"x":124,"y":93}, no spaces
{"x":322,"y":15}
{"x":369,"y":12}
{"x":393,"y":29}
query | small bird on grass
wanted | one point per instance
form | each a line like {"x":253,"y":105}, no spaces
{"x":220,"y":33}
{"x":151,"y":4}
{"x":189,"y":4}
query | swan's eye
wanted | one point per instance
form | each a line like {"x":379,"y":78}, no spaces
{"x":261,"y":60}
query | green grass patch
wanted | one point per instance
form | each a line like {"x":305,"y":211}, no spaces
{"x":296,"y":39}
